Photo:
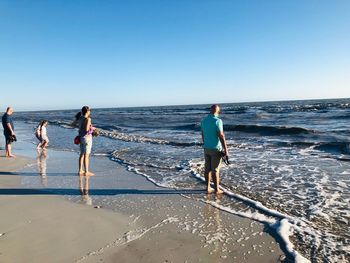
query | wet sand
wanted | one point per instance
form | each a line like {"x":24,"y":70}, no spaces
{"x":137,"y":221}
{"x":47,"y":228}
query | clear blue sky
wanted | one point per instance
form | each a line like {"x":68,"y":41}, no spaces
{"x":64,"y":54}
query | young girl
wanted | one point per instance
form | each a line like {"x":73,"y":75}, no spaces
{"x":41,"y":135}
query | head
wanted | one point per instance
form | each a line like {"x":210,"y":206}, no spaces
{"x":215,"y":109}
{"x":43,"y":123}
{"x":85,"y":111}
{"x":9,"y":110}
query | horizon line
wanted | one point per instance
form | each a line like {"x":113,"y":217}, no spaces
{"x":195,"y":104}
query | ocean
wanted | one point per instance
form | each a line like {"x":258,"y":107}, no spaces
{"x":289,"y":161}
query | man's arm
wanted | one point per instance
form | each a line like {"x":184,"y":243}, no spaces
{"x":10,"y":128}
{"x":222,"y":139}
{"x":221,"y":135}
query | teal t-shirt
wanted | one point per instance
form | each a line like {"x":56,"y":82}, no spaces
{"x":211,"y":126}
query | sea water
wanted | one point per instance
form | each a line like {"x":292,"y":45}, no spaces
{"x":290,"y":161}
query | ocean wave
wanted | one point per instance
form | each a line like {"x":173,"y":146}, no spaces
{"x":247,"y":128}
{"x":268,"y":130}
{"x":191,"y":127}
{"x":64,"y":124}
{"x":312,"y":106}
{"x":343,"y":116}
{"x":333,"y":147}
{"x":143,"y":139}
{"x":235,"y":109}
{"x":110,"y":127}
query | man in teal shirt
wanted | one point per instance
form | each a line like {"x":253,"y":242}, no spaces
{"x":213,"y":143}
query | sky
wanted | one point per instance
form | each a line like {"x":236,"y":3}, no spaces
{"x":65,"y":54}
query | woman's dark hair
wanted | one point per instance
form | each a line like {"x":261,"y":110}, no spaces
{"x":78,"y":115}
{"x":84,"y":110}
{"x":42,"y":122}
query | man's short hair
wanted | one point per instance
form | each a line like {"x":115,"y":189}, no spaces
{"x":214,"y":108}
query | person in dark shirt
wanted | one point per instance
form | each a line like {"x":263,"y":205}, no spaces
{"x":9,"y":130}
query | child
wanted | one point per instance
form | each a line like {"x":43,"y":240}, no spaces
{"x":41,"y":134}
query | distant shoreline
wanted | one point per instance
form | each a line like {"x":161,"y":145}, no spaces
{"x":184,"y":105}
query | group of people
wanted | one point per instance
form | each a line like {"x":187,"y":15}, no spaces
{"x":214,"y":142}
{"x":85,"y":132}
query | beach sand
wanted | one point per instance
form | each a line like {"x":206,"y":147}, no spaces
{"x":137,"y":221}
{"x":47,"y":228}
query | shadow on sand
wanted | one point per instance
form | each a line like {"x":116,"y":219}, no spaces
{"x":71,"y":191}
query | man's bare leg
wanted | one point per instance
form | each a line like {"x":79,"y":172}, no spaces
{"x":216,"y":183}
{"x":208,"y":179}
{"x":8,"y":151}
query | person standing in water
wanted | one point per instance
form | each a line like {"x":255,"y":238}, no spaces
{"x":85,"y":135}
{"x":9,"y":131}
{"x":214,"y":143}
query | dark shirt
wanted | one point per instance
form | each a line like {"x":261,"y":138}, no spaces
{"x":5,"y":120}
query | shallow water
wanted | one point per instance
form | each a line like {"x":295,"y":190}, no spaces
{"x":292,"y":157}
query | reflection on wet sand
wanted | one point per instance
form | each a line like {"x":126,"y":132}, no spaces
{"x":84,"y":189}
{"x":42,"y":167}
{"x":215,"y":228}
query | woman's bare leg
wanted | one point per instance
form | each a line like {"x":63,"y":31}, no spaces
{"x":86,"y":164}
{"x":81,"y":158}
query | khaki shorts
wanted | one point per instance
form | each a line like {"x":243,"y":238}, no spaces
{"x":212,"y":161}
{"x":85,"y":144}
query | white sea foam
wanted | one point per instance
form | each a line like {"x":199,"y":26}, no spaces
{"x":285,"y":230}
{"x":100,"y":154}
{"x":135,"y":170}
{"x":283,"y":227}
{"x":286,"y":223}
{"x":128,"y":237}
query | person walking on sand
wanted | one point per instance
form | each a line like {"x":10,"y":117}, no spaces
{"x":9,"y":131}
{"x":41,"y":134}
{"x":214,"y":143}
{"x":85,"y":135}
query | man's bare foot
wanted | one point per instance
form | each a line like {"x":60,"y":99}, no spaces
{"x":210,"y":190}
{"x":81,"y":172}
{"x":89,"y":174}
{"x":219,"y":192}
{"x":11,"y":156}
